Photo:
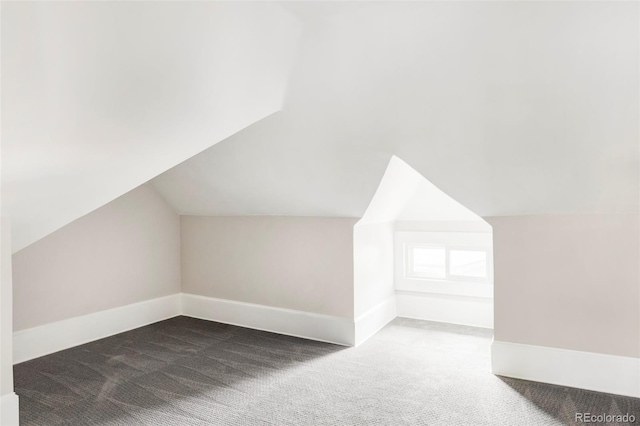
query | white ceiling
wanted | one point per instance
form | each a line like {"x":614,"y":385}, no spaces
{"x":405,"y":195}
{"x":100,"y":97}
{"x":509,"y":107}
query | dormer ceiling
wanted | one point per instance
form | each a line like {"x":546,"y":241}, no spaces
{"x":509,"y":107}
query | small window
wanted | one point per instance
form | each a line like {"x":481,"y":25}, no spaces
{"x":454,"y":263}
{"x":468,"y":263}
{"x":427,"y":262}
{"x":447,"y":263}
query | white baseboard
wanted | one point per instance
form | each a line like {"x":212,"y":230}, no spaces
{"x":462,"y":310}
{"x":9,"y":410}
{"x":325,"y":328}
{"x":585,"y":370}
{"x":46,"y":339}
{"x":369,"y":323}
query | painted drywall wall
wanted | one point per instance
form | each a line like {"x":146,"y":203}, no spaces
{"x":373,"y":265}
{"x":301,"y":263}
{"x":6,"y":309}
{"x":9,"y":405}
{"x":442,"y":226}
{"x":125,"y":252}
{"x":100,"y":97}
{"x":568,"y":281}
{"x":472,"y":311}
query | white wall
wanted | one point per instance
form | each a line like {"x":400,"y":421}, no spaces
{"x":6,"y":364}
{"x":442,"y":226}
{"x":125,"y":252}
{"x":100,"y":97}
{"x":452,"y":309}
{"x":299,"y":263}
{"x":9,"y":406}
{"x":568,"y":281}
{"x":373,"y":265}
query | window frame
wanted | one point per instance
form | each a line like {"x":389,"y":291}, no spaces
{"x":408,"y":261}
{"x":451,"y":284}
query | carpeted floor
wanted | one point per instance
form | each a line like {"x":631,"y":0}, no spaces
{"x":185,"y":371}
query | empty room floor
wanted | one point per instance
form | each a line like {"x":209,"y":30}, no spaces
{"x":185,"y":371}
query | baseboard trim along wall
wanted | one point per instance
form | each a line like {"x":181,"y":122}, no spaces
{"x":324,"y":328}
{"x":585,"y":370}
{"x":49,"y":338}
{"x":9,"y":410}
{"x":369,"y":323}
{"x":462,"y":310}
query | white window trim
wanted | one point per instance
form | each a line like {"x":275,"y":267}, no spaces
{"x":447,"y":249}
{"x":451,"y":284}
{"x":408,"y":260}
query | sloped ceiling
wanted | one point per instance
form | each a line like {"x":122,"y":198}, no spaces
{"x":509,"y":107}
{"x":404,"y":194}
{"x":100,"y":97}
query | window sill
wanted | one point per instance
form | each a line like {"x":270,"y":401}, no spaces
{"x":454,"y":288}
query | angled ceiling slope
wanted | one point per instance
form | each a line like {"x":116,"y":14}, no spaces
{"x":512,"y":108}
{"x":100,"y":97}
{"x":404,"y":194}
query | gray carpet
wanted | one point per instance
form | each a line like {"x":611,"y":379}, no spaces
{"x":185,"y":371}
